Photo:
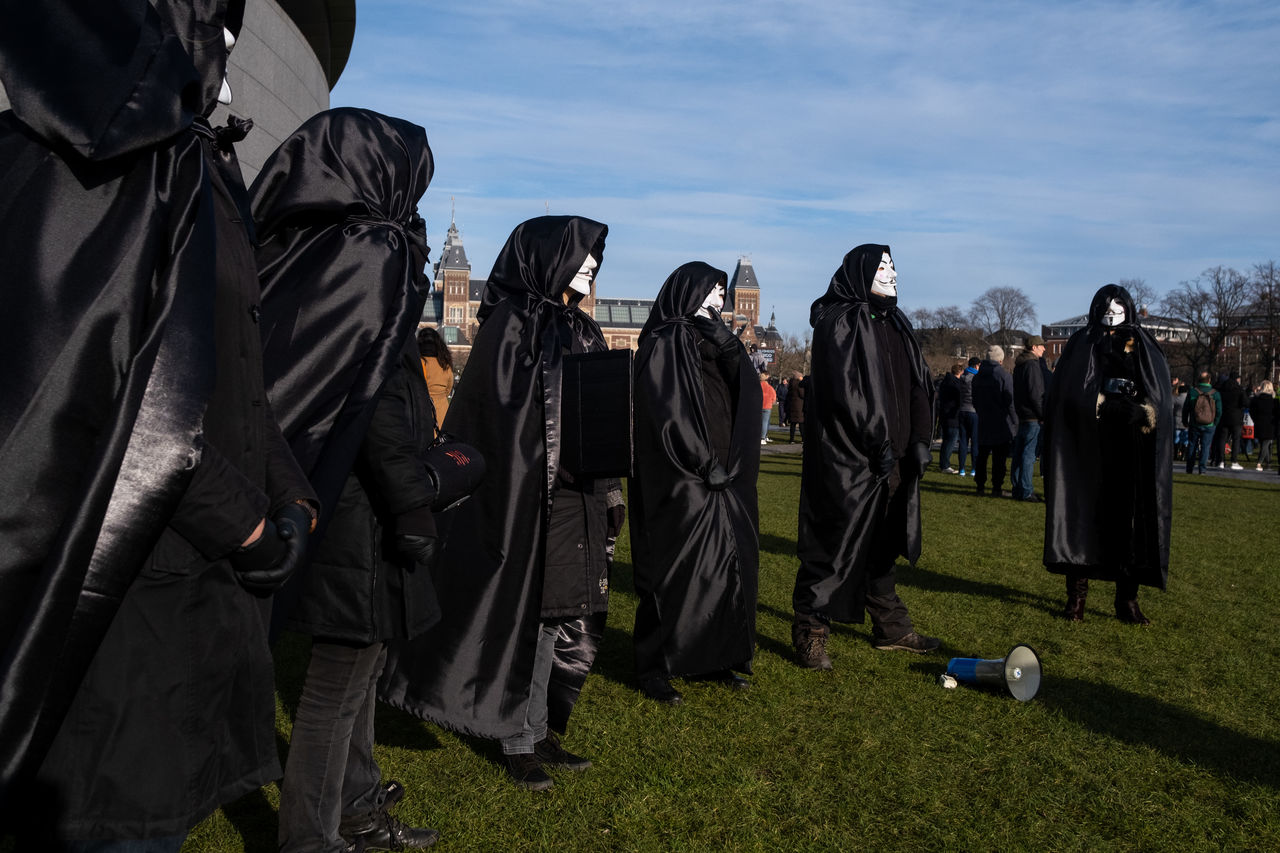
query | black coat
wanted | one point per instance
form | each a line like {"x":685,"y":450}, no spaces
{"x":472,"y":671}
{"x":342,"y":251}
{"x":950,"y":394}
{"x":1265,"y":411}
{"x":176,"y":713}
{"x":993,"y":400}
{"x":854,"y":416}
{"x":1029,"y":388}
{"x":1108,"y":460}
{"x":694,"y":543}
{"x":1233,"y":401}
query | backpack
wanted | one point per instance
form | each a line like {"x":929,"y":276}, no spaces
{"x":1204,"y":412}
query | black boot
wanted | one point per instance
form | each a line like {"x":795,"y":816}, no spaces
{"x":1077,"y":589}
{"x":379,"y":831}
{"x":551,"y":754}
{"x":1127,"y":604}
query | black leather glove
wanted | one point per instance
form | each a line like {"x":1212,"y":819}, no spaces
{"x":421,"y":550}
{"x":1122,"y":411}
{"x":716,"y":332}
{"x":617,"y":516}
{"x":920,"y":457}
{"x":263,"y":566}
{"x":717,"y":478}
{"x":882,"y":466}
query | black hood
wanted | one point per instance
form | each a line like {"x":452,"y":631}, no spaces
{"x":851,"y":284}
{"x":540,"y":259}
{"x":112,"y":76}
{"x":682,"y":294}
{"x":1103,"y":298}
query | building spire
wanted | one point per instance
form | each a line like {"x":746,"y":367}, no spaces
{"x":453,"y":209}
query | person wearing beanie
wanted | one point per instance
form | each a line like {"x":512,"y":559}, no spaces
{"x":1029,"y":388}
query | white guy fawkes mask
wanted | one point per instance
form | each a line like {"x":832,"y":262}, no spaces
{"x":1114,"y":315}
{"x":229,"y":39}
{"x":886,"y":280}
{"x":714,"y":301}
{"x":582,"y":281}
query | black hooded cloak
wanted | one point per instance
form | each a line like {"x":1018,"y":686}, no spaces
{"x":137,"y":445}
{"x":341,"y":254}
{"x":853,"y":418}
{"x":1108,"y":479}
{"x":107,"y":241}
{"x":695,"y":546}
{"x":472,"y":671}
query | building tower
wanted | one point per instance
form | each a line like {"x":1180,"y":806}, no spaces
{"x":453,"y":280}
{"x":744,"y":294}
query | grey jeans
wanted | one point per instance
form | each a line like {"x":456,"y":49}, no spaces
{"x":535,"y":721}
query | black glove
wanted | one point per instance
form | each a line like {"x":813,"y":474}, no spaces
{"x":420,"y":549}
{"x":920,"y":457}
{"x":716,"y":332}
{"x":881,"y":467}
{"x":717,"y":478}
{"x":617,"y":515}
{"x":1124,"y":411}
{"x":263,"y":566}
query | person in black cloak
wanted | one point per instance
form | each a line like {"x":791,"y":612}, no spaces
{"x":149,"y":499}
{"x":341,"y":254}
{"x":523,"y":578}
{"x":1109,"y":452}
{"x":694,"y":540}
{"x":868,"y":421}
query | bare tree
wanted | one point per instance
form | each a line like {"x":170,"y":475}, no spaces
{"x":1144,"y":295}
{"x":1264,"y":296}
{"x":1211,"y":305}
{"x":1003,"y":309}
{"x":791,"y":356}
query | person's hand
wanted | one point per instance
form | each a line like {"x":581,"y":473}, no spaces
{"x":882,"y":465}
{"x":920,"y":457}
{"x":617,"y":516}
{"x":263,"y":566}
{"x":420,"y":549}
{"x":716,"y":332}
{"x":717,"y":478}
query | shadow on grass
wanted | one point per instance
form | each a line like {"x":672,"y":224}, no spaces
{"x":1174,"y":731}
{"x":919,"y":578}
{"x":255,"y":819}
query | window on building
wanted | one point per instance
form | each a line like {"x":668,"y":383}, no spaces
{"x":455,"y":314}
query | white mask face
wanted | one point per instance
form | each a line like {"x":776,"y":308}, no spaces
{"x":1114,"y":315}
{"x":582,"y":281}
{"x":229,"y":39}
{"x":886,"y":280}
{"x":714,"y":301}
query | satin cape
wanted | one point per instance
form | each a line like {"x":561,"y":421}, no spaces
{"x":1078,"y":520}
{"x":471,"y":672}
{"x":341,"y":255}
{"x":696,"y":551}
{"x":844,"y":507}
{"x":107,"y":243}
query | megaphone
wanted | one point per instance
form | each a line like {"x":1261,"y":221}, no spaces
{"x":1018,"y":671}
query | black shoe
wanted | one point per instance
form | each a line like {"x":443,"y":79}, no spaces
{"x":392,"y":793}
{"x":526,"y":771}
{"x":997,"y":493}
{"x":1032,"y":499}
{"x":552,"y":754}
{"x":729,"y":679}
{"x":910,"y":642}
{"x":659,"y":689}
{"x":380,"y":831}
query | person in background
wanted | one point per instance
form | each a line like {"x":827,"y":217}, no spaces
{"x":997,"y":423}
{"x":1231,"y":422}
{"x":795,"y":405}
{"x":967,"y":418}
{"x":768,"y":396}
{"x":784,"y":388}
{"x":1201,"y":414}
{"x":1028,"y":402}
{"x":437,"y":369}
{"x":1180,"y":436}
{"x":1265,"y":409}
{"x":950,"y":394}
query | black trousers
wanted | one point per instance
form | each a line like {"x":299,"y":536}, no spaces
{"x":999,"y":456}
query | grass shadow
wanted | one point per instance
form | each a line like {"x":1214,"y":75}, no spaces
{"x":924,"y":579}
{"x":255,"y":819}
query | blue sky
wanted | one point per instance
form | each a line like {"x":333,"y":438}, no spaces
{"x":1049,"y":146}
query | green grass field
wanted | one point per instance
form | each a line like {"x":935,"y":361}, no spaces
{"x":1159,"y":738}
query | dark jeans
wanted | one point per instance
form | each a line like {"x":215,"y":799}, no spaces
{"x":331,"y":772}
{"x":1227,"y":432}
{"x":968,"y":422}
{"x":1024,"y":459}
{"x":1198,"y":440}
{"x":950,"y":438}
{"x":999,"y":455}
{"x":169,"y":844}
{"x":795,"y":426}
{"x":535,"y":721}
{"x":889,"y":617}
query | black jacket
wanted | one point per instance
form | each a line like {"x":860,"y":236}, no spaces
{"x":993,"y":400}
{"x":1265,"y":411}
{"x":951,"y":392}
{"x":1233,"y":400}
{"x":1028,"y":387}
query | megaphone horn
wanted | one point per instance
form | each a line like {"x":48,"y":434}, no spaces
{"x":1018,"y":671}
